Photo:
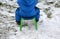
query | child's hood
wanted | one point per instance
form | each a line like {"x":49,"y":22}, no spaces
{"x":27,"y":2}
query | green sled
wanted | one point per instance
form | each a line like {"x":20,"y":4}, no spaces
{"x":35,"y":24}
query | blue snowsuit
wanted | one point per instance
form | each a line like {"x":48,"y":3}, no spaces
{"x":27,"y":10}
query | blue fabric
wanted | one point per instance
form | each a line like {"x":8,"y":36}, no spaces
{"x":27,"y":9}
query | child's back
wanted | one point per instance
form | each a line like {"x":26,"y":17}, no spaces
{"x":27,"y":9}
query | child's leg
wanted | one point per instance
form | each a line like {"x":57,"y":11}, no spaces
{"x":38,"y":14}
{"x":17,"y":16}
{"x":37,"y":17}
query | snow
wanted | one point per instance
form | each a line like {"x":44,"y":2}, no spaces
{"x":50,"y":0}
{"x":48,"y":28}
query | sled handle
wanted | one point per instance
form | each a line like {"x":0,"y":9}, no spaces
{"x":21,"y":24}
{"x":35,"y":23}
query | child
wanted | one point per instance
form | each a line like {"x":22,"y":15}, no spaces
{"x":27,"y":10}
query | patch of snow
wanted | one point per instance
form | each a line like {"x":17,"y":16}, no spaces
{"x":48,"y":28}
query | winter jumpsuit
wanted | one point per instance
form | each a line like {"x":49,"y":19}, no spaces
{"x":27,"y":9}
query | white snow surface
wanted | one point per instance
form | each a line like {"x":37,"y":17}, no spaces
{"x":48,"y":28}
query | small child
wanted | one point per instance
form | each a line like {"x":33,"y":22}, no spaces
{"x":27,"y":10}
